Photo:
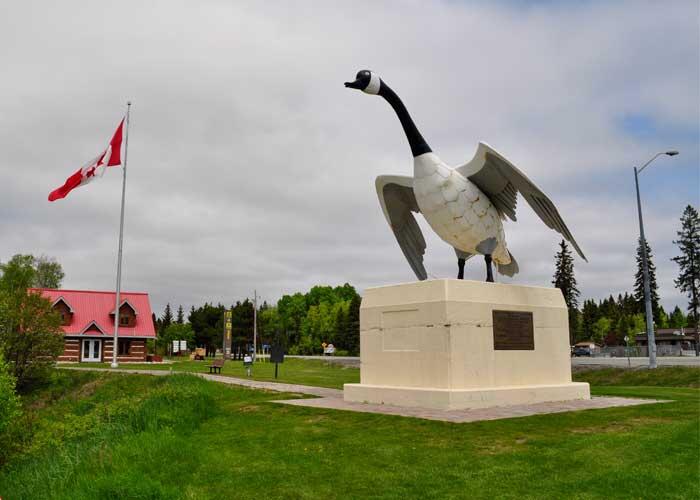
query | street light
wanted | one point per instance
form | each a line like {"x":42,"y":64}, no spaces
{"x":651,"y":342}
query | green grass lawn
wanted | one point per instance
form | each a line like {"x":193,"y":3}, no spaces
{"x":666,"y":376}
{"x":326,"y":374}
{"x":293,"y":371}
{"x":92,"y":435}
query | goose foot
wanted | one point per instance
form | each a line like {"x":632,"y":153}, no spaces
{"x":489,"y":270}
{"x":460,"y":265}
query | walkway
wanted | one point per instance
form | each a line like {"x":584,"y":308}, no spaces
{"x":322,"y":392}
{"x":332,"y":399}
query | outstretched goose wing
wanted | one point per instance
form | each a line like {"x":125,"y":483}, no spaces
{"x":501,"y":181}
{"x":398,"y":201}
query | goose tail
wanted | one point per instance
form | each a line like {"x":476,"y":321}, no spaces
{"x":509,"y":269}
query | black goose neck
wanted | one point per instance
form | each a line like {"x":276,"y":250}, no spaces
{"x":415,"y":139}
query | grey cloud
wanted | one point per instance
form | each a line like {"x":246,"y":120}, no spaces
{"x":250,"y":166}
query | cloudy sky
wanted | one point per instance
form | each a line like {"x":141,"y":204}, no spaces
{"x":251,"y":166}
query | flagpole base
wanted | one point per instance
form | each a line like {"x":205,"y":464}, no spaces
{"x":114,"y":364}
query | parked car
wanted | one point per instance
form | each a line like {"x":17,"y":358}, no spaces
{"x":581,"y":351}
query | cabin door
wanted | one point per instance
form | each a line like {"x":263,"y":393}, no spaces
{"x":92,"y":350}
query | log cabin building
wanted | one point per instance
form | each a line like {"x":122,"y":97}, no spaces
{"x":88,"y":324}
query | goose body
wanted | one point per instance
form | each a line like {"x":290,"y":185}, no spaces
{"x":457,"y":210}
{"x":465,"y":205}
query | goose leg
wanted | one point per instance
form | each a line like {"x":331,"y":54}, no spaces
{"x":489,"y":270}
{"x":460,"y":265}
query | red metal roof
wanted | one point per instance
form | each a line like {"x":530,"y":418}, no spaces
{"x":90,"y":305}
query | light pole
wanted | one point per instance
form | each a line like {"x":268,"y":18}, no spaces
{"x":651,"y":342}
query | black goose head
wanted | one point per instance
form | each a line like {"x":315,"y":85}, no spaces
{"x":366,"y":81}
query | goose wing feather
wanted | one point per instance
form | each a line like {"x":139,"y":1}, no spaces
{"x":502,"y":181}
{"x":398,"y":202}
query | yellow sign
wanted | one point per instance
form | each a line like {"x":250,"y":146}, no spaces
{"x":228,"y":324}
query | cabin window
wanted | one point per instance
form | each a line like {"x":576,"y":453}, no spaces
{"x":124,"y":346}
{"x":123,"y":320}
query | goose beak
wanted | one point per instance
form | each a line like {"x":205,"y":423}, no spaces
{"x":353,"y":85}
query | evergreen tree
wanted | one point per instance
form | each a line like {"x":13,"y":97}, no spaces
{"x":565,"y":280}
{"x":352,"y":342}
{"x":589,"y":315}
{"x":688,"y":261}
{"x":608,"y":309}
{"x":242,"y":323}
{"x":677,"y":318}
{"x":639,"y":283}
{"x":207,"y":323}
{"x":342,"y":325}
{"x":180,"y":316}
{"x":166,"y":320}
{"x":663,"y":318}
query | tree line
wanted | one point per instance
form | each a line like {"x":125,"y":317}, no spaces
{"x":610,"y":320}
{"x":301,"y":322}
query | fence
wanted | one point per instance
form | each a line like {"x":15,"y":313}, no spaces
{"x":621,"y":351}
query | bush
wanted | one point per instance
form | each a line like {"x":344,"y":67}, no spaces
{"x":10,"y":407}
{"x":30,"y":336}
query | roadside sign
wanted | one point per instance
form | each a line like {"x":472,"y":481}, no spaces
{"x":277,"y":354}
{"x":176,"y":346}
{"x":183,"y":345}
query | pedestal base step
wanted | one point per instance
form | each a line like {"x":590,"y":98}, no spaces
{"x":459,"y":399}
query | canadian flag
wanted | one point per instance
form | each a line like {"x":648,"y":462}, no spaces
{"x":110,"y":157}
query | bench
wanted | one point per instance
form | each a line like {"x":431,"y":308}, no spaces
{"x":216,"y":366}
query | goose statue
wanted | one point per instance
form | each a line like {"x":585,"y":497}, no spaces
{"x":465,"y":205}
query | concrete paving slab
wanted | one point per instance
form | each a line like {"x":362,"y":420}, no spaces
{"x":463,"y":416}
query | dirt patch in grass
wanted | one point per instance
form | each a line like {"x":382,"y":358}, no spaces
{"x":88,"y":389}
{"x":315,"y":419}
{"x":248,"y":408}
{"x":626,"y":425}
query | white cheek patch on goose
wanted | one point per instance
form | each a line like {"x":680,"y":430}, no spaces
{"x":373,"y":86}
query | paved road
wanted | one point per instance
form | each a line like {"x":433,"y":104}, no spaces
{"x":582,"y":361}
{"x":637,"y":362}
{"x":253,"y":384}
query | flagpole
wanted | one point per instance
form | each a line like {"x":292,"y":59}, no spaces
{"x":255,"y":325}
{"x":115,"y":345}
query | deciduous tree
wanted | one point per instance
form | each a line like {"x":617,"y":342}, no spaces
{"x":49,"y":273}
{"x":30,"y":330}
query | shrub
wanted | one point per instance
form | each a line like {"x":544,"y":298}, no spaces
{"x":30,"y":336}
{"x":10,"y":407}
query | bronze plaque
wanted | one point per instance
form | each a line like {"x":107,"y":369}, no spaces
{"x":513,"y":331}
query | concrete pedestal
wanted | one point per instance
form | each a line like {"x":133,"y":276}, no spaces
{"x":432,"y":344}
